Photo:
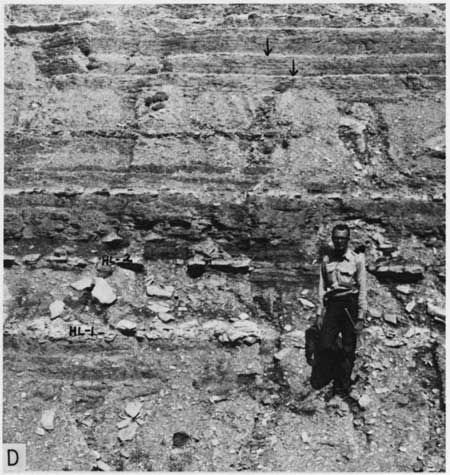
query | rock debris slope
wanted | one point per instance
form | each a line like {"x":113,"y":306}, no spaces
{"x":169,"y":189}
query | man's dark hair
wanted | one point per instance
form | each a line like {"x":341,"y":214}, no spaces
{"x":341,"y":227}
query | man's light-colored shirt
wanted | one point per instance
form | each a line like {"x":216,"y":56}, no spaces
{"x":344,"y":275}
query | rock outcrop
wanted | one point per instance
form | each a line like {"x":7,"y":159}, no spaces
{"x":169,"y":191}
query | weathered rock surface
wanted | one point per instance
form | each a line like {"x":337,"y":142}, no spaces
{"x":223,"y":176}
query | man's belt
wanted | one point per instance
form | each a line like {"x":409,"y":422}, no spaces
{"x":340,"y":294}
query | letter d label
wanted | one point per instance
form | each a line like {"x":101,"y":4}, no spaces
{"x":14,"y":457}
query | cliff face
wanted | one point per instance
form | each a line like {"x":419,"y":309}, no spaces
{"x":164,"y":132}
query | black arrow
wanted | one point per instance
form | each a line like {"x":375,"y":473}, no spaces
{"x":293,"y":71}
{"x":267,"y":50}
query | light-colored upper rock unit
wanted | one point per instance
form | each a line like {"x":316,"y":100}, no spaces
{"x":133,"y":94}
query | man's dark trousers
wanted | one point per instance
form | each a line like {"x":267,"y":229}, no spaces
{"x":333,"y":361}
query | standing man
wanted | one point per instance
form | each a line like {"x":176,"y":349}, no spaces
{"x":342,"y":308}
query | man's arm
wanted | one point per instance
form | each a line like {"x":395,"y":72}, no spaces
{"x":361,"y":278}
{"x":321,"y":291}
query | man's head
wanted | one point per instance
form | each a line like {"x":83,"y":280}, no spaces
{"x":340,"y":237}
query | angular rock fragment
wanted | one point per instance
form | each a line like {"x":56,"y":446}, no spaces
{"x":77,"y":262}
{"x":383,"y":244}
{"x":231,"y":265}
{"x":84,"y":283}
{"x":270,"y":399}
{"x":68,"y":249}
{"x":436,"y":146}
{"x":39,"y":431}
{"x":305,"y":438}
{"x":209,"y":249}
{"x":158,"y":307}
{"x":282,"y":354}
{"x":31,"y":258}
{"x":404,"y":288}
{"x":381,"y":390}
{"x":166,"y":317}
{"x":48,"y":419}
{"x":435,"y":311}
{"x":140,"y":335}
{"x":375,"y":312}
{"x":306,"y":303}
{"x":113,"y":240}
{"x":390,"y":318}
{"x":151,"y":236}
{"x":132,"y":409}
{"x":38,"y":325}
{"x":8,"y":260}
{"x":110,"y":337}
{"x":103,"y":292}
{"x":59,"y":255}
{"x":160,"y":291}
{"x":126,"y":326}
{"x":103,"y":467}
{"x":128,"y":433}
{"x":364,"y":401}
{"x":410,"y":306}
{"x":153,"y":335}
{"x":245,"y":330}
{"x":214,"y":399}
{"x":56,"y":309}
